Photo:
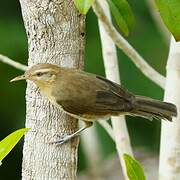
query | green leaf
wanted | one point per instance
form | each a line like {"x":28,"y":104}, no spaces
{"x":8,"y":143}
{"x":170,"y":13}
{"x":120,"y":21}
{"x":126,"y":12}
{"x":134,"y":169}
{"x":83,"y":5}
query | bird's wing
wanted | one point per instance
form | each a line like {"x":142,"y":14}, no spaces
{"x":100,"y":98}
{"x":115,"y":98}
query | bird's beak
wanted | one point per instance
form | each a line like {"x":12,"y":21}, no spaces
{"x":18,"y":78}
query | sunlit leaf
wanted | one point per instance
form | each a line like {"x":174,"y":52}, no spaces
{"x":83,"y":5}
{"x":8,"y":143}
{"x":170,"y":13}
{"x":134,"y":169}
{"x":120,"y":21}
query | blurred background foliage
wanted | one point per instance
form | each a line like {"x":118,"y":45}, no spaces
{"x":145,"y":37}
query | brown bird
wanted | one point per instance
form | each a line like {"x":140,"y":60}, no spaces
{"x":90,"y":97}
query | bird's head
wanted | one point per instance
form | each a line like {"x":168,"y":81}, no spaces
{"x":40,"y":74}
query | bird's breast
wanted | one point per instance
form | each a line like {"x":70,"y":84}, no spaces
{"x":48,"y":93}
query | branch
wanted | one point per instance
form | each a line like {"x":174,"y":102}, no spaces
{"x":138,"y":60}
{"x":12,"y":63}
{"x":92,"y":151}
{"x":120,"y":131}
{"x":109,"y":169}
{"x":107,"y":127}
{"x":169,"y":165}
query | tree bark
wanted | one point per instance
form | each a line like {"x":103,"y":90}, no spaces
{"x":169,"y":168}
{"x":55,"y":33}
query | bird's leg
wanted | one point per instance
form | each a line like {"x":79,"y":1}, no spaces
{"x":77,"y":133}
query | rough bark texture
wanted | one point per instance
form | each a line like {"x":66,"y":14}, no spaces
{"x":55,"y":33}
{"x":169,"y":168}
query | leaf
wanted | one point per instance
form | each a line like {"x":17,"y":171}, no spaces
{"x":8,"y":143}
{"x":126,"y":12}
{"x":118,"y":18}
{"x":170,"y":13}
{"x":83,"y":5}
{"x":134,"y":169}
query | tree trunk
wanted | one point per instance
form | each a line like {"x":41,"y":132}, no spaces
{"x":170,"y":131}
{"x":55,"y":33}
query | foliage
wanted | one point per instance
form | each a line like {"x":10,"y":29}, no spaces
{"x":120,"y":10}
{"x":170,"y":13}
{"x":83,"y":5}
{"x":134,"y":169}
{"x":124,"y":18}
{"x":8,"y":143}
{"x":122,"y":14}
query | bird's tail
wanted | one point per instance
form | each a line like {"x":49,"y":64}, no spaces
{"x":151,"y":108}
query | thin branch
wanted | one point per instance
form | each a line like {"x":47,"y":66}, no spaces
{"x":127,"y":48}
{"x":110,"y":58}
{"x":12,"y":63}
{"x":92,"y":151}
{"x":107,"y":127}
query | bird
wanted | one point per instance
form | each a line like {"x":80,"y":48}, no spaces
{"x":91,"y":97}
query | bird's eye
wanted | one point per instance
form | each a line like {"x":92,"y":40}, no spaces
{"x":39,"y":74}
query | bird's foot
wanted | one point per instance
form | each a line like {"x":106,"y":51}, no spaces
{"x":64,"y":139}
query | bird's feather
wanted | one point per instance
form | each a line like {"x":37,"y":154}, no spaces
{"x":106,"y":97}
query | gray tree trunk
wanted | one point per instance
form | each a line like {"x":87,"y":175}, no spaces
{"x":55,"y":33}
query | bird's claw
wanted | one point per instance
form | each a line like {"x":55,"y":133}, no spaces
{"x":62,"y":140}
